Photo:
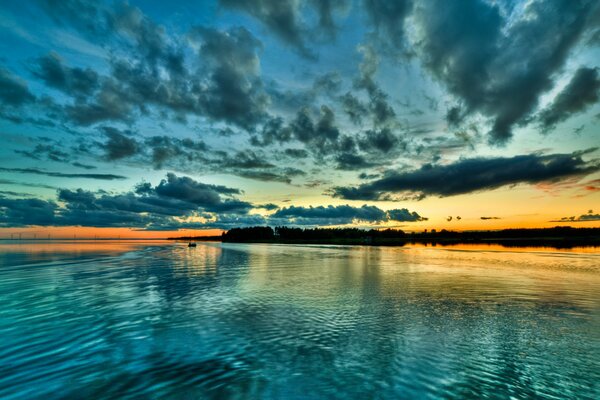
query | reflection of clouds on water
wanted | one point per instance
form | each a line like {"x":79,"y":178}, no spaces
{"x":273,"y":321}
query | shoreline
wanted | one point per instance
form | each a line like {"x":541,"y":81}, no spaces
{"x":557,"y":243}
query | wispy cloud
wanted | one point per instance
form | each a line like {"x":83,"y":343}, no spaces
{"x":35,"y":171}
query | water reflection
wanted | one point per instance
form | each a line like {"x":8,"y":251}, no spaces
{"x":276,"y":321}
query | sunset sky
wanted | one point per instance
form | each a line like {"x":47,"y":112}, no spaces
{"x":143,"y":118}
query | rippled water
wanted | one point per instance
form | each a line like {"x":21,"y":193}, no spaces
{"x":160,"y":320}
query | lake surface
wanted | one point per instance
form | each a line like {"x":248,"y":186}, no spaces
{"x":235,"y":321}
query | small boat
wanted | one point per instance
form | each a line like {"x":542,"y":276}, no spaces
{"x":191,"y":244}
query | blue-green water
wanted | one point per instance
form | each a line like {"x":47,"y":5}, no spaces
{"x":233,"y":321}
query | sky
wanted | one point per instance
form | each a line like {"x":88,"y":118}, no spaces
{"x":152,"y":118}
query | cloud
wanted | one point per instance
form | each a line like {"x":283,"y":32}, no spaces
{"x":208,"y":197}
{"x":281,"y":17}
{"x":296,"y":153}
{"x":315,"y":133}
{"x":35,"y":171}
{"x":265,"y":176}
{"x":382,"y":140}
{"x":378,"y":106}
{"x":488,"y":218}
{"x":178,"y":202}
{"x":404,"y":215}
{"x":352,"y":162}
{"x":205,"y":72}
{"x":354,"y":108}
{"x":169,"y":150}
{"x":234,"y":91}
{"x":118,"y":145}
{"x":246,"y":159}
{"x":340,"y":215}
{"x":329,"y":83}
{"x":285,"y":19}
{"x":110,"y":103}
{"x":388,"y":17}
{"x":84,"y":166}
{"x":45,"y":152}
{"x":472,"y":175}
{"x":590,"y":217}
{"x":174,"y":202}
{"x":73,"y":81}
{"x":581,"y":92}
{"x":23,"y":212}
{"x":495,"y":65}
{"x":35,"y":185}
{"x":158,"y":151}
{"x":13,"y":90}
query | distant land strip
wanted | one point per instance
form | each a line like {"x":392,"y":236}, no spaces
{"x":558,"y":237}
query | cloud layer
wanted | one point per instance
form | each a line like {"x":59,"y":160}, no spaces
{"x":472,"y":175}
{"x":179,"y":202}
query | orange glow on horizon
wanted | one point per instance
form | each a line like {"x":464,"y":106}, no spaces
{"x":78,"y":232}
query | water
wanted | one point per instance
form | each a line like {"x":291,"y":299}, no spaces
{"x":234,"y":321}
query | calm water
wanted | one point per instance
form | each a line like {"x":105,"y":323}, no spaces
{"x":159,"y":320}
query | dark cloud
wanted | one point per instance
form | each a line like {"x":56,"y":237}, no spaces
{"x":35,"y":185}
{"x":354,"y":108}
{"x":282,"y":17}
{"x":85,"y":15}
{"x":158,"y":151}
{"x":366,"y":176}
{"x":221,"y":82}
{"x":488,"y":218}
{"x":285,"y":19}
{"x":378,"y":106}
{"x":35,"y":171}
{"x":590,"y":217}
{"x":472,"y":175}
{"x":24,"y":212}
{"x":273,"y":131}
{"x":352,"y":162}
{"x":482,"y":62}
{"x":382,"y":140}
{"x":117,"y":24}
{"x":84,"y":166}
{"x":234,"y":91}
{"x":187,"y":189}
{"x":296,"y":153}
{"x":318,"y":135}
{"x":111,"y":103}
{"x":326,"y":9}
{"x":178,"y":202}
{"x":246,"y":159}
{"x":329,"y":83}
{"x":265,"y":176}
{"x":268,"y":206}
{"x":387,"y":17}
{"x":46,"y":152}
{"x":147,"y":207}
{"x":580,"y":93}
{"x":118,"y":145}
{"x":340,"y":215}
{"x":13,"y":90}
{"x":166,"y":149}
{"x":201,"y":195}
{"x":73,"y":81}
{"x":404,"y":215}
{"x":284,"y":175}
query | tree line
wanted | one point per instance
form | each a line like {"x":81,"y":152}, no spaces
{"x":356,"y":235}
